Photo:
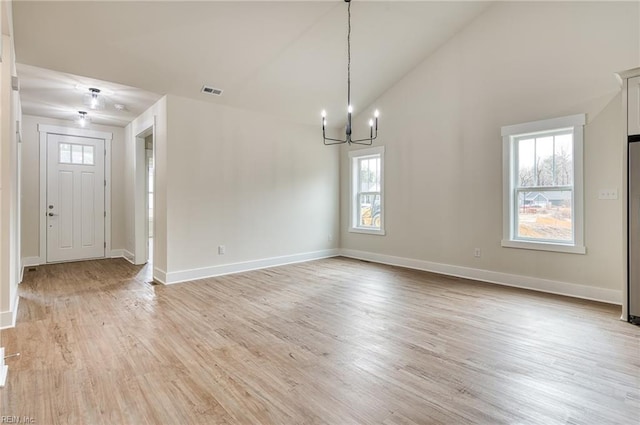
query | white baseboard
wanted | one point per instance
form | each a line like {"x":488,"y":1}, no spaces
{"x":8,"y":318}
{"x":116,"y":253}
{"x":128,"y":256}
{"x":205,"y":272}
{"x":160,"y":276}
{"x":4,"y":369}
{"x":28,"y":262}
{"x":122,"y":253}
{"x":610,"y":296}
{"x":31,"y":261}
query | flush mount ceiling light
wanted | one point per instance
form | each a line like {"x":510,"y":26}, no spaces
{"x":373,"y":123}
{"x":103,"y":91}
{"x":83,"y":119}
{"x":94,"y":99}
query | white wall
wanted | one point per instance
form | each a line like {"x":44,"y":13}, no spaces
{"x":9,"y":178}
{"x":31,"y":183}
{"x":261,"y":186}
{"x":517,"y":62}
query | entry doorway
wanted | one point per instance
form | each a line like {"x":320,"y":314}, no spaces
{"x":75,"y":198}
{"x":75,"y":201}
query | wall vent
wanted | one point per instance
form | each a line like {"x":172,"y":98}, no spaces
{"x":211,"y":90}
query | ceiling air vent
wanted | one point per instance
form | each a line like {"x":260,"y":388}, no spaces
{"x":211,"y":90}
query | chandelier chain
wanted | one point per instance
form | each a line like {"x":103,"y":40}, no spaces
{"x":349,"y":56}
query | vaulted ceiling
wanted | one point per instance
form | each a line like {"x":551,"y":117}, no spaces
{"x":284,"y":58}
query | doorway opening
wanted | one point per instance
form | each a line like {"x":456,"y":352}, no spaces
{"x":145,"y":199}
{"x":148,"y":142}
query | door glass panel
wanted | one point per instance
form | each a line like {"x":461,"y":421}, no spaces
{"x":87,"y":158}
{"x":65,"y":153}
{"x":76,"y":154}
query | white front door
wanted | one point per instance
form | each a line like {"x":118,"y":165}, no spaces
{"x":75,"y":207}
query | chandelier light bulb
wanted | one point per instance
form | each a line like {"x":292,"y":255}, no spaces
{"x":370,"y":123}
{"x":324,"y":113}
{"x":376,"y":114}
{"x":350,"y":109}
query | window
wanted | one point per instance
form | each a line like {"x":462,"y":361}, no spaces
{"x":543,"y":207}
{"x":367,"y":186}
{"x":75,"y":154}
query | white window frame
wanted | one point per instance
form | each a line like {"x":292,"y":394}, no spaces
{"x":510,"y":134}
{"x":354,"y":157}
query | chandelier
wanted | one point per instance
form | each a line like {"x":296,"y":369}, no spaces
{"x":373,"y":123}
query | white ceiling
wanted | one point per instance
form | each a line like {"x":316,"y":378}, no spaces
{"x":54,"y":94}
{"x":285,"y":58}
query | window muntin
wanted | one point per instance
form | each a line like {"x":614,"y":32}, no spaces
{"x":367,"y":191}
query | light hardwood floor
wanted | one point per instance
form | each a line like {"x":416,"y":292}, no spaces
{"x":335,"y":341}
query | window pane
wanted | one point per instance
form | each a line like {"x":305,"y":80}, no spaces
{"x":76,"y":154}
{"x":526,"y":154}
{"x":545,"y":215}
{"x":369,"y":175}
{"x":369,"y":211}
{"x":364,"y":175}
{"x":564,"y":159}
{"x":65,"y":153}
{"x":88,"y":155}
{"x":375,"y":183}
{"x":373,"y":177}
{"x":544,"y":161}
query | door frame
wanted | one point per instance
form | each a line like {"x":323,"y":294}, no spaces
{"x":147,"y":206}
{"x":44,"y":131}
{"x":141,"y":219}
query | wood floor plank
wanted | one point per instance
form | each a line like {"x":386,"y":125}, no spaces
{"x":334,"y":341}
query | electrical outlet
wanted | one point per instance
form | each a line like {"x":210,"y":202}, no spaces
{"x":608,"y":194}
{"x":222,"y":249}
{"x":476,"y":252}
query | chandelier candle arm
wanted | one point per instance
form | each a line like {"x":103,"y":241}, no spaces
{"x":373,"y":132}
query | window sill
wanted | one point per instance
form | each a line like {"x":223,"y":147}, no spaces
{"x":545,"y":246}
{"x":379,"y":232}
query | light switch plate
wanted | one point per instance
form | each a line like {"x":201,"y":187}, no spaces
{"x":608,"y":194}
